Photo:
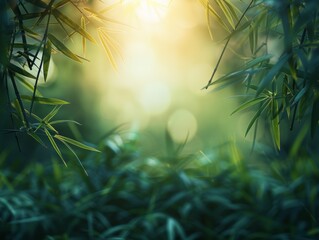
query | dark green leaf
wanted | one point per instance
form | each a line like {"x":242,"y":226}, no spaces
{"x":262,"y":108}
{"x":315,"y":115}
{"x":21,"y":71}
{"x":275,"y":70}
{"x":275,"y":124}
{"x":46,"y":59}
{"x":36,"y":137}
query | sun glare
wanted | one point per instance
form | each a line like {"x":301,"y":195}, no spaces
{"x":148,"y":10}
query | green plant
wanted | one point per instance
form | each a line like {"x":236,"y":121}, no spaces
{"x":126,"y":198}
{"x":31,"y":32}
{"x":281,"y":83}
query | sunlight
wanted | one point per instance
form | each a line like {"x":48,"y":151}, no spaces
{"x":148,"y":10}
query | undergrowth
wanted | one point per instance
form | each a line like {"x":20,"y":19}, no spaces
{"x":127,"y":195}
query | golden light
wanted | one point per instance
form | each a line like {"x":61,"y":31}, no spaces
{"x":148,"y":10}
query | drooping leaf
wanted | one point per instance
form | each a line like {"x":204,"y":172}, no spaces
{"x":36,"y":137}
{"x":17,"y":107}
{"x":60,"y":46}
{"x":258,"y":60}
{"x":46,"y":59}
{"x":51,"y":114}
{"x":212,"y":11}
{"x":77,"y":28}
{"x":55,"y":146}
{"x":226,"y":12}
{"x":300,"y":94}
{"x":28,"y":85}
{"x":262,"y":108}
{"x":20,"y":71}
{"x":44,"y":100}
{"x":75,"y":143}
{"x":64,"y":121}
{"x":83,"y":25}
{"x":74,"y":153}
{"x":275,"y":123}
{"x":106,"y":46}
{"x":248,"y":104}
{"x":275,"y":70}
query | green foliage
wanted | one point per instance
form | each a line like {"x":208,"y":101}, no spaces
{"x":27,"y":46}
{"x":281,"y":84}
{"x":126,"y":196}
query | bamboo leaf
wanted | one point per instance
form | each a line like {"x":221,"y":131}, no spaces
{"x":301,"y":93}
{"x":275,"y":123}
{"x":105,"y":43}
{"x":251,"y":40}
{"x":36,"y":137}
{"x":54,"y":145}
{"x":208,"y":21}
{"x":77,"y":28}
{"x":60,"y":46}
{"x":28,"y":46}
{"x":226,"y":12}
{"x":233,"y":9}
{"x":28,"y":16}
{"x":46,"y":101}
{"x":212,"y":11}
{"x":46,"y":59}
{"x":75,"y":143}
{"x":33,"y":34}
{"x":51,"y":114}
{"x":83,"y":25}
{"x":28,"y":85}
{"x":17,"y":107}
{"x":258,"y":60}
{"x":20,"y":71}
{"x":64,"y":121}
{"x":38,"y":3}
{"x":275,"y":70}
{"x":76,"y":156}
{"x":248,"y":104}
{"x":262,"y":108}
{"x":236,"y":76}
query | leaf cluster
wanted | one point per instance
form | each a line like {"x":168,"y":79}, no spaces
{"x":281,"y":84}
{"x":126,"y":198}
{"x":30,"y":35}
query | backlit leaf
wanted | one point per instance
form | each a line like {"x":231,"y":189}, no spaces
{"x":75,"y":143}
{"x":54,"y":145}
{"x":77,"y":28}
{"x":43,"y":100}
{"x":60,"y":46}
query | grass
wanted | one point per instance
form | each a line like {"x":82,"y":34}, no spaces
{"x":131,"y":196}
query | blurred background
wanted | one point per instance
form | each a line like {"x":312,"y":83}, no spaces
{"x":165,"y":57}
